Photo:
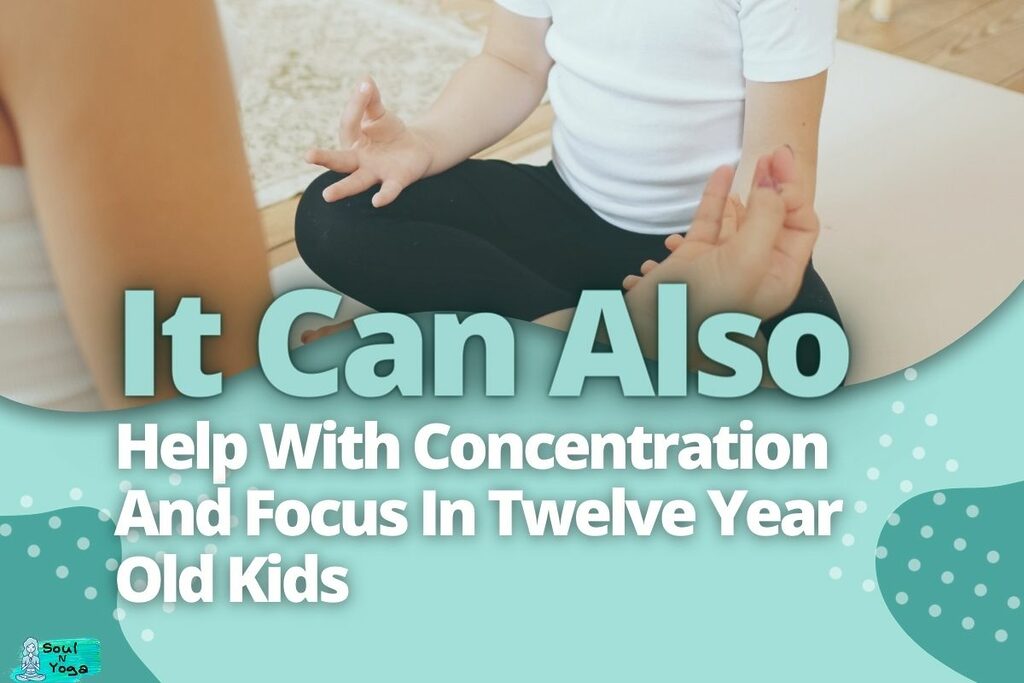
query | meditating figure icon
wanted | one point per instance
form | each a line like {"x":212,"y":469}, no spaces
{"x":30,"y":662}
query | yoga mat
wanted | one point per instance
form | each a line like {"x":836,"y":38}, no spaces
{"x":298,"y":62}
{"x":919,"y":194}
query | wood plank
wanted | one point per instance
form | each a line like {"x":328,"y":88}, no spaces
{"x":283,"y":254}
{"x":279,"y":223}
{"x":912,"y":19}
{"x":1015,"y":82}
{"x":532,"y":135}
{"x":986,"y":44}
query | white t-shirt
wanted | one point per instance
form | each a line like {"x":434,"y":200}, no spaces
{"x":648,"y":95}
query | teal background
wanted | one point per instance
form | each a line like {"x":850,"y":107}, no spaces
{"x":953,"y":577}
{"x":705,"y":608}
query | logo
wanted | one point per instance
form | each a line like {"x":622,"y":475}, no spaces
{"x":68,"y":660}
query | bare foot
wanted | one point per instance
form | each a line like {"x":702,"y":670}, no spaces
{"x":310,"y":336}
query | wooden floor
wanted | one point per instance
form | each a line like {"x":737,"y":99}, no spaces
{"x":982,"y":39}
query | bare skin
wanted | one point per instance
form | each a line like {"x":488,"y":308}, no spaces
{"x":749,"y":261}
{"x":486,"y":100}
{"x":735,"y":259}
{"x":496,"y":91}
{"x":131,"y":142}
{"x":123,"y":202}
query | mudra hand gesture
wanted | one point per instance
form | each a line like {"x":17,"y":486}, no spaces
{"x":742,"y":259}
{"x":377,"y":148}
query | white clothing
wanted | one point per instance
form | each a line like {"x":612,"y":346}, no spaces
{"x":649,"y":95}
{"x":40,"y":364}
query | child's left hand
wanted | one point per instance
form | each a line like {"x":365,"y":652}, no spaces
{"x":733,"y":216}
{"x":782,"y":258}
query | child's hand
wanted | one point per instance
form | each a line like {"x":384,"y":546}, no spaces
{"x":377,"y":148}
{"x":794,"y":245}
{"x":733,"y":216}
{"x":750,"y":259}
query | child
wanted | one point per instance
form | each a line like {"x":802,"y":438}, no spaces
{"x":649,"y":99}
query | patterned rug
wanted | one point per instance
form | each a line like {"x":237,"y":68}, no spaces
{"x":299,"y":60}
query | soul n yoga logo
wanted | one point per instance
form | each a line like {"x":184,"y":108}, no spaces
{"x":57,"y":660}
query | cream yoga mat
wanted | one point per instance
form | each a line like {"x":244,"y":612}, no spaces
{"x":919,"y":192}
{"x":297,"y":62}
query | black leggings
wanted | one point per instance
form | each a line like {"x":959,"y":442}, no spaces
{"x":485,"y":236}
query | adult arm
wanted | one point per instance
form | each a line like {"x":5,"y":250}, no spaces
{"x":127,"y":126}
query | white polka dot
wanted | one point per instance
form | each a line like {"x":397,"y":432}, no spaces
{"x":168,"y":607}
{"x":902,"y":598}
{"x":202,"y":498}
{"x":981,"y":590}
{"x":75,"y":494}
{"x":967,"y":623}
{"x":947,"y":577}
{"x":103,"y":515}
{"x":174,"y":479}
{"x":927,"y":531}
{"x":119,"y":614}
{"x":835,"y":573}
{"x":26,"y":501}
{"x":898,"y":407}
{"x":111,"y":564}
{"x":885,"y":440}
{"x":33,"y":550}
{"x":939,"y":498}
{"x":914,"y":565}
{"x":918,"y":453}
{"x":931,"y":419}
{"x":992,"y":557}
{"x":133,"y":536}
{"x":125,"y":486}
{"x":972,"y":511}
{"x":952,"y":465}
{"x":935,"y":611}
{"x":881,"y":552}
{"x":848,"y":540}
{"x":54,"y":522}
{"x":139,"y":584}
{"x":83,"y":543}
{"x":1013,"y":602}
{"x":211,"y":549}
{"x":146,"y":635}
{"x":1002,"y":636}
{"x":868,"y":586}
{"x":906,"y":486}
{"x":960,"y":544}
{"x":62,"y":572}
{"x":860,"y":507}
{"x":90,"y":593}
{"x":874,"y":473}
{"x":910,"y":374}
{"x":235,"y":521}
{"x":5,"y":529}
{"x":894,"y":519}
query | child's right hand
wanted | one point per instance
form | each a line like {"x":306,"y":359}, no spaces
{"x":377,"y":148}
